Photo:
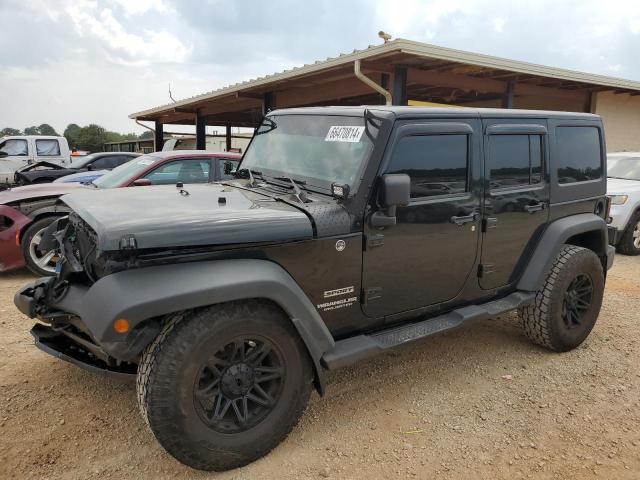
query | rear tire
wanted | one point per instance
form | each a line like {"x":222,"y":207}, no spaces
{"x":567,"y":306}
{"x":41,"y":264}
{"x":222,"y":386}
{"x":630,"y":241}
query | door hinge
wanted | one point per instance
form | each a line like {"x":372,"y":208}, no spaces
{"x":485,"y":269}
{"x":489,"y":222}
{"x":371,"y":293}
{"x":373,"y":240}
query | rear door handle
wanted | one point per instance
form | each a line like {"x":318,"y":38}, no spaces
{"x":536,"y":207}
{"x":461,"y":220}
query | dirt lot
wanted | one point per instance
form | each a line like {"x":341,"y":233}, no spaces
{"x":480,"y":402}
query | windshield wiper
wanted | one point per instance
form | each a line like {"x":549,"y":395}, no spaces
{"x":300,"y":195}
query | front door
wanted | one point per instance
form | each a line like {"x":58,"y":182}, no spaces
{"x":427,"y":257}
{"x":516,"y":200}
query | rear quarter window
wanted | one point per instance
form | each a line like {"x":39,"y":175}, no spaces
{"x":578,"y":154}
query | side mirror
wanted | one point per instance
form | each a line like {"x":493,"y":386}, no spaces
{"x":395,"y":191}
{"x":228,"y":168}
{"x":142,"y":182}
{"x":3,"y":154}
{"x":89,"y":167}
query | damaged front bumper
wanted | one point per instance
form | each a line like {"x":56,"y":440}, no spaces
{"x":82,"y":353}
{"x":64,"y":333}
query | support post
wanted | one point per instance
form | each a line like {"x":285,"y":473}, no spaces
{"x":509,"y":95}
{"x":267,"y":103}
{"x":201,"y":134}
{"x":399,"y":93}
{"x":592,"y":102}
{"x":158,"y":140}
{"x":228,"y":136}
{"x":384,"y":83}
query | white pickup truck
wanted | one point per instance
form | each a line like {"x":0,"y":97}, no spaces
{"x":19,"y":151}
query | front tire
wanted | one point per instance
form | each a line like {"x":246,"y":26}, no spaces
{"x":630,"y":241}
{"x":222,"y":386}
{"x":41,"y":264}
{"x":567,"y":306}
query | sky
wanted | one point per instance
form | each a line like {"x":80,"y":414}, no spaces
{"x":88,"y":61}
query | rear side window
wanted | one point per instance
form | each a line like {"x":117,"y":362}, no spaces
{"x":47,"y":148}
{"x":436,"y":164}
{"x":514,"y":160}
{"x":578,"y":154}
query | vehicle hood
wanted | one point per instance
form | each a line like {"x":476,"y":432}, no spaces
{"x":617,"y":186}
{"x":43,"y":190}
{"x":83,"y":176}
{"x":210,"y":214}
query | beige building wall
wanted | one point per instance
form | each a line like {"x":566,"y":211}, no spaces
{"x":621,"y":116}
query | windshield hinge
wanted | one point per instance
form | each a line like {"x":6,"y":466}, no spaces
{"x":128,"y":242}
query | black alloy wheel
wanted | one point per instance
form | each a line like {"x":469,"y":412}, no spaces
{"x":239,"y":385}
{"x":577,"y":300}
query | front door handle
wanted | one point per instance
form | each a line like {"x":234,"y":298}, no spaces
{"x":536,"y":207}
{"x":461,"y":220}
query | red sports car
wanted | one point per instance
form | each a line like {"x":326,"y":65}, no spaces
{"x":25,"y":212}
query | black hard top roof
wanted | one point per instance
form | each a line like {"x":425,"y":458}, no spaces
{"x":412,"y":112}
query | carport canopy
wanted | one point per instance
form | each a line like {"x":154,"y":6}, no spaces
{"x":409,"y":71}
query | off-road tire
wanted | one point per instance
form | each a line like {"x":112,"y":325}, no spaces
{"x":626,"y":245}
{"x":543,"y":321}
{"x":25,"y":243}
{"x":168,"y":377}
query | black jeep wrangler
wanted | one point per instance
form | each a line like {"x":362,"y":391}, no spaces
{"x":348,"y":231}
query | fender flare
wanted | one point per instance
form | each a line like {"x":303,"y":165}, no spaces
{"x":140,"y":294}
{"x":552,"y":240}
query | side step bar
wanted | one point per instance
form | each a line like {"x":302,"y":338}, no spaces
{"x":357,"y":348}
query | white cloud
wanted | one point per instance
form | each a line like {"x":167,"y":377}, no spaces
{"x":138,"y":7}
{"x":125,"y":47}
{"x":498,"y":24}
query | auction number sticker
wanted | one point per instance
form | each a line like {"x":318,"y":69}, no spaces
{"x":344,"y":133}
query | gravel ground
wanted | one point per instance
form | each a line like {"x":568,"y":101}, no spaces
{"x":479,"y":402}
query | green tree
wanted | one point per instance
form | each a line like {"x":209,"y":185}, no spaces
{"x":71,"y":134}
{"x":91,"y":138}
{"x":6,"y":132}
{"x":46,"y":129}
{"x":146,"y":134}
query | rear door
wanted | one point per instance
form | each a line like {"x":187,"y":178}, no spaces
{"x":427,"y":257}
{"x":516,"y":201}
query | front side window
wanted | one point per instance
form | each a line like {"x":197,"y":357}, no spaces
{"x":578,"y":154}
{"x":14,"y":147}
{"x":183,"y":171}
{"x":514,"y":160}
{"x":47,"y":148}
{"x":436,"y":164}
{"x":106,"y":162}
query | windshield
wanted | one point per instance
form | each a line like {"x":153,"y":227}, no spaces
{"x":625,"y":167}
{"x":81,"y":162}
{"x":319,"y":150}
{"x":125,"y":172}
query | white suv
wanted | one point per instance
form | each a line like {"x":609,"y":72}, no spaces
{"x":623,"y":188}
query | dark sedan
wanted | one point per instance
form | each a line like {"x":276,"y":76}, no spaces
{"x":25,"y":212}
{"x":46,"y":172}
